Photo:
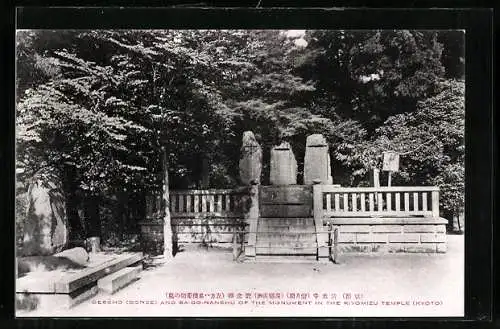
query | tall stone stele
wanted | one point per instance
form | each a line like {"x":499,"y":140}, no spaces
{"x":283,"y":165}
{"x":250,"y":159}
{"x":317,"y":160}
{"x":45,"y":225}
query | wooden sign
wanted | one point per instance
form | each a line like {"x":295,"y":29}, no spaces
{"x":390,"y":161}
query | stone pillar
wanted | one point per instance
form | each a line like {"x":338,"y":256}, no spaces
{"x":321,"y":232}
{"x":252,"y":217}
{"x":283,"y":165}
{"x":250,"y":159}
{"x":317,"y":160}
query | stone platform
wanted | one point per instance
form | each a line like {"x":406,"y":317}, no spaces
{"x":427,"y":235}
{"x":68,"y":287}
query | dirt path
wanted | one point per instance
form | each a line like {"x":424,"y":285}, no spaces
{"x":362,"y":285}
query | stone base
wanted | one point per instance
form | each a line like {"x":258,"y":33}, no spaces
{"x":47,"y":301}
{"x":429,"y":236}
{"x":219,"y":232}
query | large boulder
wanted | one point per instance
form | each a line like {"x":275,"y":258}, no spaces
{"x":46,"y":224}
{"x":45,"y":264}
{"x":77,"y":255}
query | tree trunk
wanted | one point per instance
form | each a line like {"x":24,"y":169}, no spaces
{"x":76,"y":230}
{"x":121,"y":215}
{"x":205,"y":172}
{"x":92,"y":215}
{"x":167,"y":225}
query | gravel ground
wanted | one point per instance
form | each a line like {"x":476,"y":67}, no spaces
{"x":362,"y":285}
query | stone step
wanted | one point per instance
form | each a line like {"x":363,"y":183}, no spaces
{"x":297,"y":232}
{"x":269,"y":227}
{"x":284,"y":251}
{"x":284,"y":259}
{"x":291,"y":244}
{"x":113,"y":282}
{"x":286,"y":236}
{"x":286,"y":244}
{"x":280,"y":221}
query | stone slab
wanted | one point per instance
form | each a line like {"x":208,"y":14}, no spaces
{"x":285,"y":194}
{"x":379,"y":238}
{"x":419,"y":228}
{"x":419,"y":247}
{"x":355,"y":229}
{"x":404,"y":238}
{"x":440,"y":229}
{"x":285,"y":259}
{"x":386,"y":228}
{"x":285,"y":210}
{"x":285,"y":251}
{"x":363,"y":238}
{"x":385,"y":220}
{"x":286,"y":221}
{"x":250,"y":164}
{"x":351,"y":247}
{"x":46,"y":301}
{"x":432,"y":237}
{"x":441,"y":247}
{"x":396,"y":247}
{"x":112,"y":283}
{"x":283,"y":165}
{"x":317,"y":160}
{"x":86,"y":276}
{"x":286,"y":244}
{"x":347,"y":237}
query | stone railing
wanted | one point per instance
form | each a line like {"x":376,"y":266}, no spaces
{"x":397,"y":218}
{"x":395,"y":201}
{"x":213,"y":217}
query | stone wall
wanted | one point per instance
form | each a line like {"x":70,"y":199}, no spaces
{"x":427,"y":237}
{"x":202,"y":231}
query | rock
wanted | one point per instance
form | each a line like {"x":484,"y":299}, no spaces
{"x":317,"y":160}
{"x":283,"y":165}
{"x":76,"y":255}
{"x":250,"y":159}
{"x":44,"y":264}
{"x":46,"y":224}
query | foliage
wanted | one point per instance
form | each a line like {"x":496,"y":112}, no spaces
{"x":430,"y":142}
{"x":100,"y":104}
{"x":370,"y":75}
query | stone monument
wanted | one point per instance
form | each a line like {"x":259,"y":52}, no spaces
{"x":45,"y":224}
{"x":250,"y":159}
{"x":283,"y":165}
{"x":317,"y":160}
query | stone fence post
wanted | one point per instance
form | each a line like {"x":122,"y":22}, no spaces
{"x":321,"y":233}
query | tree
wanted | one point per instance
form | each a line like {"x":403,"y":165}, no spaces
{"x":453,"y":57}
{"x":100,"y":105}
{"x":371,"y":75}
{"x":430,"y":142}
{"x":113,"y":98}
